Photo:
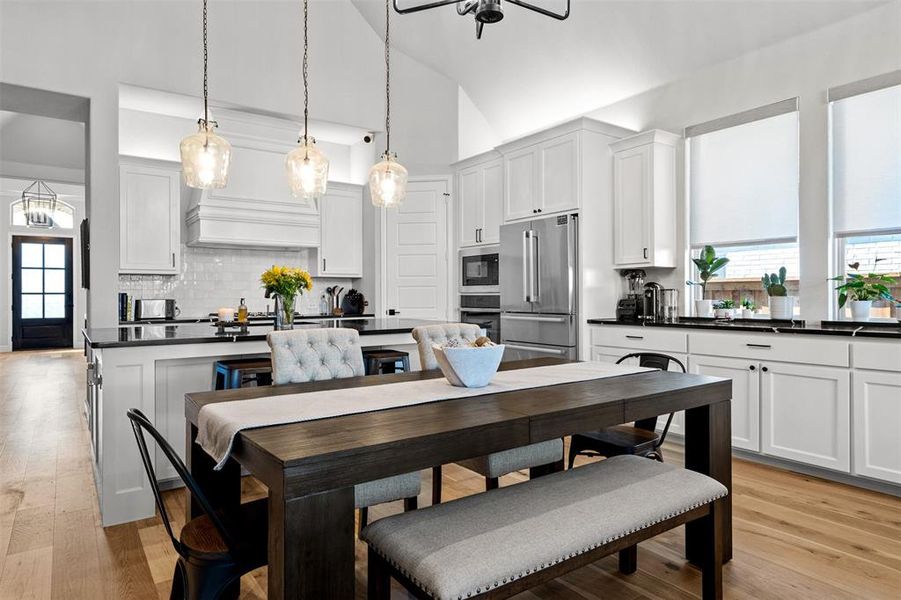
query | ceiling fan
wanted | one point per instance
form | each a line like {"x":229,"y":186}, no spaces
{"x":484,"y":11}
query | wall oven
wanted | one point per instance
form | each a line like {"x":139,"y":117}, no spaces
{"x":482,"y":310}
{"x":479,"y":270}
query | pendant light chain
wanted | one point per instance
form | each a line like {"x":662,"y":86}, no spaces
{"x":206,"y":108}
{"x":387,"y":75}
{"x":306,"y":94}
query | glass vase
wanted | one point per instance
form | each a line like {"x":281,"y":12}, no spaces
{"x":284,"y":311}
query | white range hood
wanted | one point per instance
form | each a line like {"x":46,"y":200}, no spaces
{"x":256,"y":209}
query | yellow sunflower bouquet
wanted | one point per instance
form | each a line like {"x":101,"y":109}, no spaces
{"x":286,"y":283}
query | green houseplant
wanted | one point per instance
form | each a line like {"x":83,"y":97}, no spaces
{"x":862,"y":290}
{"x":782,"y":306}
{"x":708,"y":264}
{"x":724,"y":309}
{"x":748,"y":308}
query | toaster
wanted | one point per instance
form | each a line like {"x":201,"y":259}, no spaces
{"x":158,"y":310}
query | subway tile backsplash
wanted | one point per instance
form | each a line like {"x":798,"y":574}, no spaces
{"x":212,"y":278}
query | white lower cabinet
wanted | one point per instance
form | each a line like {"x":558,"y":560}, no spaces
{"x":806,"y":414}
{"x":877,"y":424}
{"x":745,"y":376}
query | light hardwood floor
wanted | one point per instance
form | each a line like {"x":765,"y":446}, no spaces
{"x":795,"y":536}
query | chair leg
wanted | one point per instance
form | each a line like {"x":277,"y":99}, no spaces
{"x":436,"y":485}
{"x":712,"y":565}
{"x":178,"y":582}
{"x":217,"y":582}
{"x":378,"y":585}
{"x":491,"y":483}
{"x":628,"y":560}
{"x":364,"y":517}
{"x":547,"y":469}
{"x":574,"y":450}
{"x":411,"y":503}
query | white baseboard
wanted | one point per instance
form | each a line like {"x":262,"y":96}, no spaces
{"x":4,"y":348}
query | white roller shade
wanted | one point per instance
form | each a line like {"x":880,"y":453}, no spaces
{"x":866,"y":162}
{"x":743,"y":182}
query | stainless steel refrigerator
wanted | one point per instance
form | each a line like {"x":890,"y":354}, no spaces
{"x":539,"y":283}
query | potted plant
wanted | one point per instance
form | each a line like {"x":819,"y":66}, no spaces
{"x":748,"y":308}
{"x":284,"y":284}
{"x":708,"y":263}
{"x":723,"y":309}
{"x":782,"y":306}
{"x":862,"y":290}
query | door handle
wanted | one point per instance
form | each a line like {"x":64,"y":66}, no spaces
{"x":556,"y":351}
{"x":539,"y":319}
{"x":526,"y":267}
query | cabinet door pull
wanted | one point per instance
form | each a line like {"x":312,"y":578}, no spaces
{"x":634,"y":337}
{"x":764,"y":369}
{"x":758,"y":345}
{"x":173,"y":260}
{"x":539,"y":210}
{"x":753,"y":368}
{"x":645,"y":250}
{"x":323,"y":264}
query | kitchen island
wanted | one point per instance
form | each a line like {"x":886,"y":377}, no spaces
{"x":152,"y":367}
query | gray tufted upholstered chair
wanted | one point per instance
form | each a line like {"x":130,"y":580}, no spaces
{"x":540,"y":458}
{"x":303,"y":355}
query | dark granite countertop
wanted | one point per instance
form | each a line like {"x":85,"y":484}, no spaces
{"x":258,"y":319}
{"x":871,"y":329}
{"x":200,"y":333}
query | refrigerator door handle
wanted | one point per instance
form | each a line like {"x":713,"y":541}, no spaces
{"x":539,"y":319}
{"x":537,"y":349}
{"x":525,"y":266}
{"x":536,"y":274}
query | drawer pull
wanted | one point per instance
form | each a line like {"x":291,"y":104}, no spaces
{"x":634,"y":337}
{"x":758,"y":345}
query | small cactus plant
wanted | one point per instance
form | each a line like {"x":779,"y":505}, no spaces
{"x":775,"y":284}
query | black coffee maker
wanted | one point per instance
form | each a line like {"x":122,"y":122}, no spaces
{"x":631,"y":308}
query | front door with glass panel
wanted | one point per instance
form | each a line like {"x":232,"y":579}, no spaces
{"x":42,"y":292}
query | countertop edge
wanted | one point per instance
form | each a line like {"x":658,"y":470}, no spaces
{"x":875,"y":331}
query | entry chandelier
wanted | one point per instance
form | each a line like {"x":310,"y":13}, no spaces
{"x":485,"y":11}
{"x":205,"y":155}
{"x":307,"y":167}
{"x":388,"y":178}
{"x":39,"y":205}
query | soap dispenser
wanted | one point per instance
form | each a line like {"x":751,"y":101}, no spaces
{"x":242,"y":312}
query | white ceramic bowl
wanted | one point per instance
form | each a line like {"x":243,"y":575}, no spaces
{"x":467,"y":366}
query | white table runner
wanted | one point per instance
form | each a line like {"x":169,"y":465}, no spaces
{"x":219,"y":423}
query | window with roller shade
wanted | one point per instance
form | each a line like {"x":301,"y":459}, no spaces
{"x":865,"y":128}
{"x":743,"y":188}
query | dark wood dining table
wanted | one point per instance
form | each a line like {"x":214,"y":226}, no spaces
{"x":310,"y":468}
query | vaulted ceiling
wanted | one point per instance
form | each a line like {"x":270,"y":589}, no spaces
{"x":529,"y":71}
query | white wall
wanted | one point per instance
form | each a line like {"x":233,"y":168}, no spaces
{"x":475,"y":134}
{"x":88,"y":48}
{"x":863,"y":46}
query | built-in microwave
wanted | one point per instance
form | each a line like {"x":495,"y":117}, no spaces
{"x":479,"y":270}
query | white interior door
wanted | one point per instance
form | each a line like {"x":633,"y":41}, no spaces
{"x":416,"y":262}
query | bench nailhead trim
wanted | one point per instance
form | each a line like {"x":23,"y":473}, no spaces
{"x":522,"y":574}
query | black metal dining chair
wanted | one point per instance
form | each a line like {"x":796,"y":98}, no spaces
{"x":214,"y":550}
{"x":641,"y":438}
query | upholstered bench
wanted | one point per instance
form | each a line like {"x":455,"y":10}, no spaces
{"x":499,"y":543}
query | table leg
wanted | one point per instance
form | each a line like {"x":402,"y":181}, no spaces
{"x":311,"y":546}
{"x":221,"y":488}
{"x":708,"y":450}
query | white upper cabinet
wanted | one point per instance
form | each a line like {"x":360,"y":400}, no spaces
{"x":521,"y":197}
{"x":341,"y":222}
{"x":149,"y":217}
{"x":560,"y":174}
{"x":481,"y":191}
{"x":542,"y":178}
{"x":644,"y":200}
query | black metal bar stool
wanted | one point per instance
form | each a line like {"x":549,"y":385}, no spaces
{"x":386,"y":361}
{"x":242,"y":372}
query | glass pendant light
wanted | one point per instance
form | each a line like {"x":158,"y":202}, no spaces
{"x":307,"y":167}
{"x":388,"y":178}
{"x":205,"y":155}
